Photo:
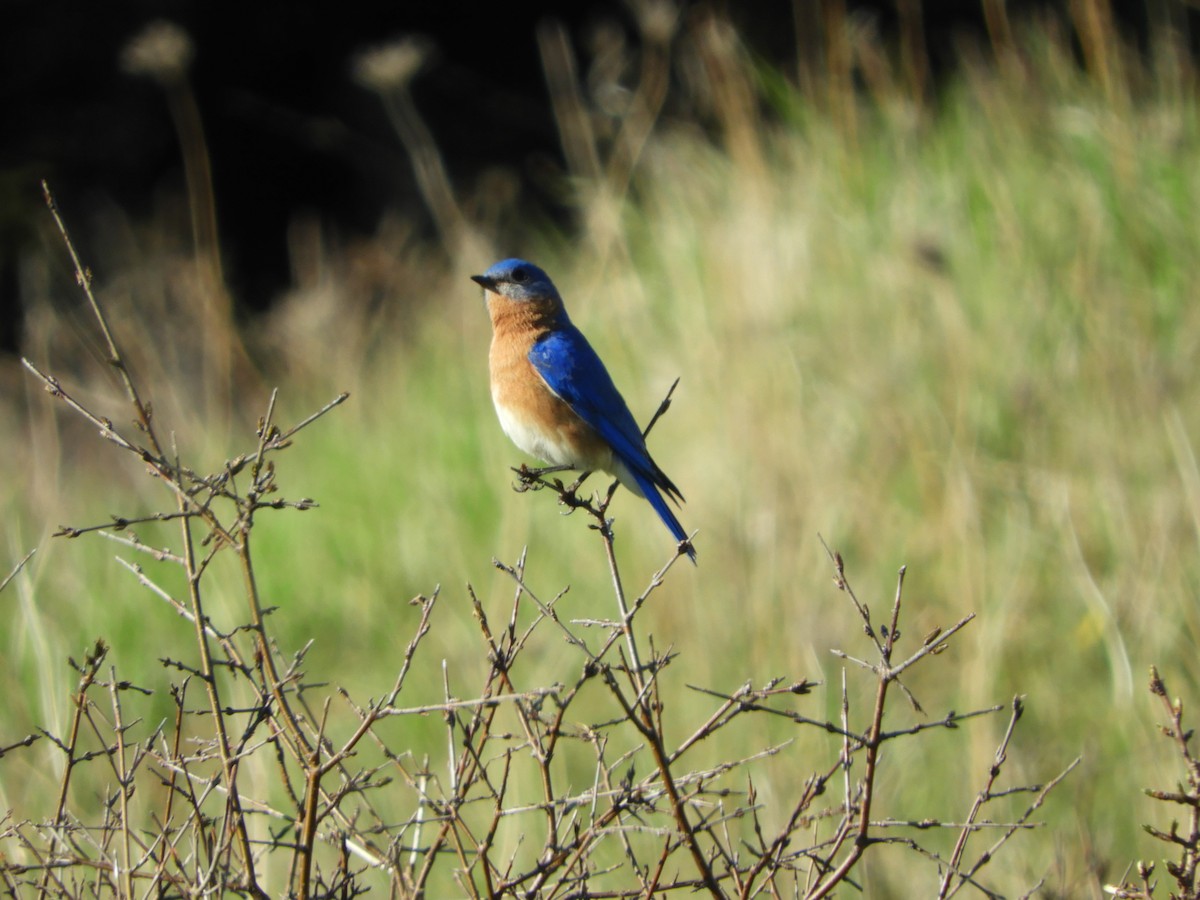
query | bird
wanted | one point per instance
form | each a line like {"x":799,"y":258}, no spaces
{"x":553,"y":395}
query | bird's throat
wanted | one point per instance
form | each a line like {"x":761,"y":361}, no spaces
{"x":524,"y":317}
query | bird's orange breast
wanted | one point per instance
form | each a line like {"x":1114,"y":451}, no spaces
{"x":536,"y":419}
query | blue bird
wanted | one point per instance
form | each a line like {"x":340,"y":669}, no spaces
{"x":555,"y":399}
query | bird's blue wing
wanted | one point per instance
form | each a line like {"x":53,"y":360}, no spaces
{"x":573,"y":370}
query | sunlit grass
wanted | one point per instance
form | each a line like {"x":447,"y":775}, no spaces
{"x":964,"y":343}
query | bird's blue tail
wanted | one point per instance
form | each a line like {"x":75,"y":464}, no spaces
{"x":654,"y":496}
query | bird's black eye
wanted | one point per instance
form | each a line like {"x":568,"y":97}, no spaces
{"x":520,"y":276}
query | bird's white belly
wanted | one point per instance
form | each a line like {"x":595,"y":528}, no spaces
{"x":532,"y":440}
{"x":551,"y":445}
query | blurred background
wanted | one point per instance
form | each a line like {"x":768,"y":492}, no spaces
{"x":925,"y":268}
{"x":290,"y":131}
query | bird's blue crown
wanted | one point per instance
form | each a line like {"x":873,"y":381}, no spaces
{"x":518,"y":280}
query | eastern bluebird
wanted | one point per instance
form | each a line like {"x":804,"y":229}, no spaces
{"x":553,"y":395}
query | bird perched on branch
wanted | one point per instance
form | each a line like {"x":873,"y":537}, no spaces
{"x":553,"y":395}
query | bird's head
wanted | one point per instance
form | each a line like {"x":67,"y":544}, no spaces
{"x":518,"y":280}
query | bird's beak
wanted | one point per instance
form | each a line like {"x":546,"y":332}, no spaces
{"x":485,"y":282}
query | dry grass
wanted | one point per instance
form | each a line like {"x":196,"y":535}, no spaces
{"x":956,"y":333}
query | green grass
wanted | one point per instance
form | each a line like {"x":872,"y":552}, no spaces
{"x":965,"y":343}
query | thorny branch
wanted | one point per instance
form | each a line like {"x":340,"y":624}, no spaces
{"x":444,"y":784}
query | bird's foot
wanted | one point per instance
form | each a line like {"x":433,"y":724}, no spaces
{"x":535,"y":479}
{"x":527,"y":479}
